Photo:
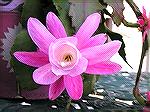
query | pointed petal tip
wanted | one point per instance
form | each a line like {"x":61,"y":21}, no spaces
{"x":95,"y":15}
{"x":51,"y":14}
{"x":16,"y":54}
{"x":51,"y":98}
{"x":30,"y":19}
{"x":74,"y":86}
{"x":117,"y":43}
{"x":88,"y":28}
{"x":55,"y":26}
{"x":76,"y":98}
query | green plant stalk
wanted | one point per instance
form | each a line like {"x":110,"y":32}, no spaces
{"x":129,"y":24}
{"x":68,"y":105}
{"x":136,"y":91}
{"x":138,"y":96}
{"x":134,"y":8}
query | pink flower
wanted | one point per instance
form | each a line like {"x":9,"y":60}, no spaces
{"x":148,"y":95}
{"x":61,"y":60}
{"x":146,"y":108}
{"x":144,"y":23}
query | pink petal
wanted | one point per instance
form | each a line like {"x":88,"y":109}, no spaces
{"x":148,"y":95}
{"x":74,"y":86}
{"x":56,"y":89}
{"x":107,"y":67}
{"x":101,"y":53}
{"x":35,"y":59}
{"x":39,"y":34}
{"x":95,"y":41}
{"x":141,"y":22}
{"x":144,"y":13}
{"x":57,"y":71}
{"x":44,"y":75}
{"x":55,"y":26}
{"x":80,"y":67}
{"x":88,"y":28}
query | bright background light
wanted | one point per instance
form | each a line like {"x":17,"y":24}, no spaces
{"x":132,"y":38}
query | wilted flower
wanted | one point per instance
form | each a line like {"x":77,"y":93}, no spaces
{"x":61,"y":60}
{"x":144,"y":23}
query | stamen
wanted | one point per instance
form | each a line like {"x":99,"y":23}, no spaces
{"x":67,"y":58}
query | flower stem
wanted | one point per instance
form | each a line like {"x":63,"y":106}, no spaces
{"x":136,"y":91}
{"x":129,"y":24}
{"x":134,"y":8}
{"x":138,"y":96}
{"x":68,"y":105}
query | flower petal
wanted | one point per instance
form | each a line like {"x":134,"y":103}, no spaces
{"x":95,"y":41}
{"x":55,"y":26}
{"x":148,"y":95}
{"x":107,"y":67}
{"x":101,"y":53}
{"x":80,"y":67}
{"x":39,"y":34}
{"x":35,"y":59}
{"x":144,"y":13}
{"x":88,"y":28}
{"x":58,"y":71}
{"x":44,"y":75}
{"x":56,"y":89}
{"x":74,"y":86}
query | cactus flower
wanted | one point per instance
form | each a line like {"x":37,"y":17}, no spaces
{"x":61,"y":59}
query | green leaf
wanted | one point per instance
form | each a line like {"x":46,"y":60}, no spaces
{"x":31,"y":8}
{"x":118,"y":7}
{"x":116,"y":36}
{"x":62,"y":7}
{"x":23,"y":72}
{"x":80,"y":9}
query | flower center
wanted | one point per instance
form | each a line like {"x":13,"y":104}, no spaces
{"x":65,"y":55}
{"x":67,"y":58}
